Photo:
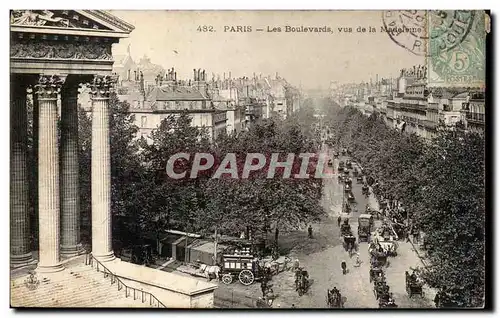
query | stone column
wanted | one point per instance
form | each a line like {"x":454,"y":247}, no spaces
{"x":20,"y":252}
{"x":70,"y":187}
{"x":48,"y":174}
{"x":101,"y":169}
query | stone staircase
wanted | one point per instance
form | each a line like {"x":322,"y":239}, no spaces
{"x":78,"y":285}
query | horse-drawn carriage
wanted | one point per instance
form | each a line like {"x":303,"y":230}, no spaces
{"x":365,"y":189}
{"x":380,"y":289}
{"x":334,"y":298}
{"x":378,"y":257}
{"x":244,"y":267}
{"x":413,"y":285}
{"x":335,"y":155}
{"x":386,"y":301}
{"x":341,"y":166}
{"x":376,"y":274}
{"x":346,"y":173}
{"x":348,"y":181}
{"x":330,"y":163}
{"x":301,"y":281}
{"x":344,"y":151}
{"x":365,"y":225}
{"x":350,"y":196}
{"x":359,"y":178}
{"x":348,"y":164}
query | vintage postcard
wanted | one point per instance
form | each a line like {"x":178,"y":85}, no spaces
{"x":248,"y":159}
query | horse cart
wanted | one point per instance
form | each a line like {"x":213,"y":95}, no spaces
{"x":413,"y":286}
{"x":334,"y":298}
{"x":380,"y":289}
{"x":301,"y":281}
{"x":378,"y":258}
{"x":241,"y":266}
{"x":341,"y":166}
{"x":376,"y":274}
{"x":348,"y":164}
{"x":359,"y":178}
{"x":365,"y":189}
{"x":347,"y":187}
{"x":365,"y":224}
{"x":350,"y":196}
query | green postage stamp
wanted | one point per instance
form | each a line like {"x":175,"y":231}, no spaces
{"x":456,"y":48}
{"x":453,"y":43}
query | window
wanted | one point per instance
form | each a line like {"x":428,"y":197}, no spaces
{"x":144,"y":120}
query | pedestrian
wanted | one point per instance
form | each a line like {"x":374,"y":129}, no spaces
{"x":343,"y":265}
{"x":263,"y":287}
{"x":339,"y":220}
{"x":310,"y":231}
{"x":293,"y":305}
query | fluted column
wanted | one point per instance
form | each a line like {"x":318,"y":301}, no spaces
{"x":20,"y":252}
{"x":70,"y":192}
{"x":101,"y":169}
{"x":48,"y":174}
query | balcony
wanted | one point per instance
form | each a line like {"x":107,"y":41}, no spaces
{"x":476,"y":118}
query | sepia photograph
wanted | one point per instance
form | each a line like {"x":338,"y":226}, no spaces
{"x":249,"y":159}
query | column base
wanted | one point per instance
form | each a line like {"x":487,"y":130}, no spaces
{"x":72,"y":251}
{"x":17,"y":261}
{"x":49,"y":268}
{"x":106,"y":257}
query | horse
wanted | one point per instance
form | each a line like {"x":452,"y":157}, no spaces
{"x":210,"y":271}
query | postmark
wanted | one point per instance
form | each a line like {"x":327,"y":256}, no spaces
{"x":452,"y":41}
{"x":407,"y":28}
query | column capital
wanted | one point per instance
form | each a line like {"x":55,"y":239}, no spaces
{"x":49,"y":86}
{"x":102,"y":85}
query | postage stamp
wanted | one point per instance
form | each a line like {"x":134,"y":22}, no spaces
{"x":452,"y":41}
{"x":456,"y":48}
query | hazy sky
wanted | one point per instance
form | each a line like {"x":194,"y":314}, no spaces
{"x":310,"y":59}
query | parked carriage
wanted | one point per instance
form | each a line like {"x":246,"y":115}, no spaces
{"x":380,"y":289}
{"x":244,"y":267}
{"x":378,"y":257}
{"x":413,"y":286}
{"x":330,"y":163}
{"x":341,"y":166}
{"x":350,"y":196}
{"x":348,"y":164}
{"x":365,"y":225}
{"x":365,"y":189}
{"x":377,"y":274}
{"x":359,"y":178}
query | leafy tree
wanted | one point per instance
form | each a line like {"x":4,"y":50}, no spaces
{"x":441,"y":182}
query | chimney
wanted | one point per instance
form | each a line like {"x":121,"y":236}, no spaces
{"x":175,"y":76}
{"x":194,"y":74}
{"x":135,"y":75}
